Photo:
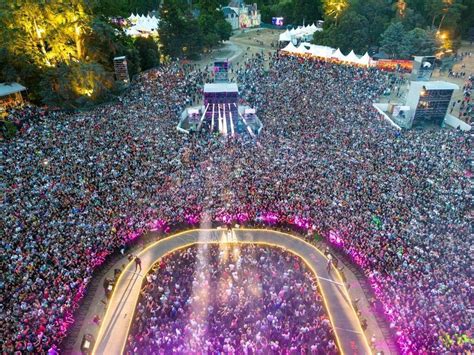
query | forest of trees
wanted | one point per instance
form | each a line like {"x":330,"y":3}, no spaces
{"x":401,"y":28}
{"x":62,"y":51}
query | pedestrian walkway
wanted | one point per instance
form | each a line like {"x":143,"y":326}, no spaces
{"x":117,"y":320}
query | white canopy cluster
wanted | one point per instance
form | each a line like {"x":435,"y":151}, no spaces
{"x":142,"y":25}
{"x":299,"y":33}
{"x":312,"y":50}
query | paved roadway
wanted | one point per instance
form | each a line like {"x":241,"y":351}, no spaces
{"x":118,"y":317}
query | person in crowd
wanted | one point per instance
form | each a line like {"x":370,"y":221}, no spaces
{"x":231,"y":299}
{"x":76,"y":187}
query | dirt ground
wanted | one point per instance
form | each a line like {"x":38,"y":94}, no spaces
{"x":261,"y":38}
{"x":467,"y":62}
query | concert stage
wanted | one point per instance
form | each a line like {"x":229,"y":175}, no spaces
{"x":221,"y":112}
{"x":225,"y":118}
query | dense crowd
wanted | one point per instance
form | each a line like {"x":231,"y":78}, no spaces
{"x":230,"y":299}
{"x":466,"y":105}
{"x":78,"y":186}
{"x":22,"y":117}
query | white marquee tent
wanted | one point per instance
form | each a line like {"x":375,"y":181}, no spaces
{"x":290,"y":48}
{"x":352,"y":57}
{"x":338,"y":55}
{"x":365,"y":59}
{"x":312,"y":50}
{"x":142,"y":25}
{"x":285,"y":36}
{"x":300,"y":33}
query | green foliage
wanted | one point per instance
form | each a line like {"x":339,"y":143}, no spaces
{"x":418,"y":42}
{"x":22,"y":69}
{"x":180,"y":34}
{"x":148,"y":51}
{"x":412,"y":20}
{"x":223,"y":29}
{"x":46,"y":42}
{"x":213,"y":25}
{"x":106,"y":42}
{"x":378,"y":15}
{"x":8,"y":129}
{"x":467,"y":17}
{"x":124,"y":7}
{"x":308,"y":11}
{"x":294,"y":11}
{"x":444,"y":12}
{"x":391,"y":42}
{"x":352,"y":33}
{"x":399,"y":43}
{"x":75,"y":85}
{"x":389,"y":21}
{"x":354,"y":25}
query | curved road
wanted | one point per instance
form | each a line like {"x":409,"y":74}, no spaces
{"x":118,"y":317}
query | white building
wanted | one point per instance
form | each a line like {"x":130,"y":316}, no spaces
{"x":241,"y":16}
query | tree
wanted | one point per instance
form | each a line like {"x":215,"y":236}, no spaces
{"x":401,"y":7}
{"x":412,"y":19}
{"x":466,"y":22}
{"x":180,"y":34}
{"x":418,"y":42}
{"x":353,"y":32}
{"x":378,"y":13}
{"x":326,"y":37}
{"x":48,"y":42}
{"x":284,"y":8}
{"x":213,"y":25}
{"x":24,"y":28}
{"x":20,"y":68}
{"x":148,"y":51}
{"x":350,"y":34}
{"x":50,"y":32}
{"x":223,"y":30}
{"x":76,"y":84}
{"x":333,"y":9}
{"x":392,"y":39}
{"x":442,"y":11}
{"x":308,"y":11}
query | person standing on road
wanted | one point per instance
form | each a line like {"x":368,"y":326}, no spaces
{"x":329,"y":264}
{"x":138,"y":263}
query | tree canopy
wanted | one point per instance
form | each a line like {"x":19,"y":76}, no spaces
{"x":401,"y":27}
{"x":62,"y":50}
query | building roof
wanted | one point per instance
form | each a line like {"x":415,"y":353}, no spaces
{"x":11,"y":88}
{"x":229,"y":11}
{"x":221,"y":87}
{"x":235,"y":3}
{"x":435,"y":85}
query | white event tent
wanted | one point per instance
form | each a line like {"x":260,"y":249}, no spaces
{"x":365,"y":59}
{"x":315,"y":51}
{"x":352,"y":57}
{"x":142,"y":25}
{"x":304,"y":33}
{"x":338,"y":55}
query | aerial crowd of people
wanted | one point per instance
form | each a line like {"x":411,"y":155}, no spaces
{"x":78,"y":186}
{"x":230,"y":299}
{"x":466,"y":104}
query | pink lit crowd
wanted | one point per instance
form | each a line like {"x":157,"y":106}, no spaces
{"x":234,"y":300}
{"x":77,"y":187}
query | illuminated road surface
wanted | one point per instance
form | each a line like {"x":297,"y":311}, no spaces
{"x":117,"y":320}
